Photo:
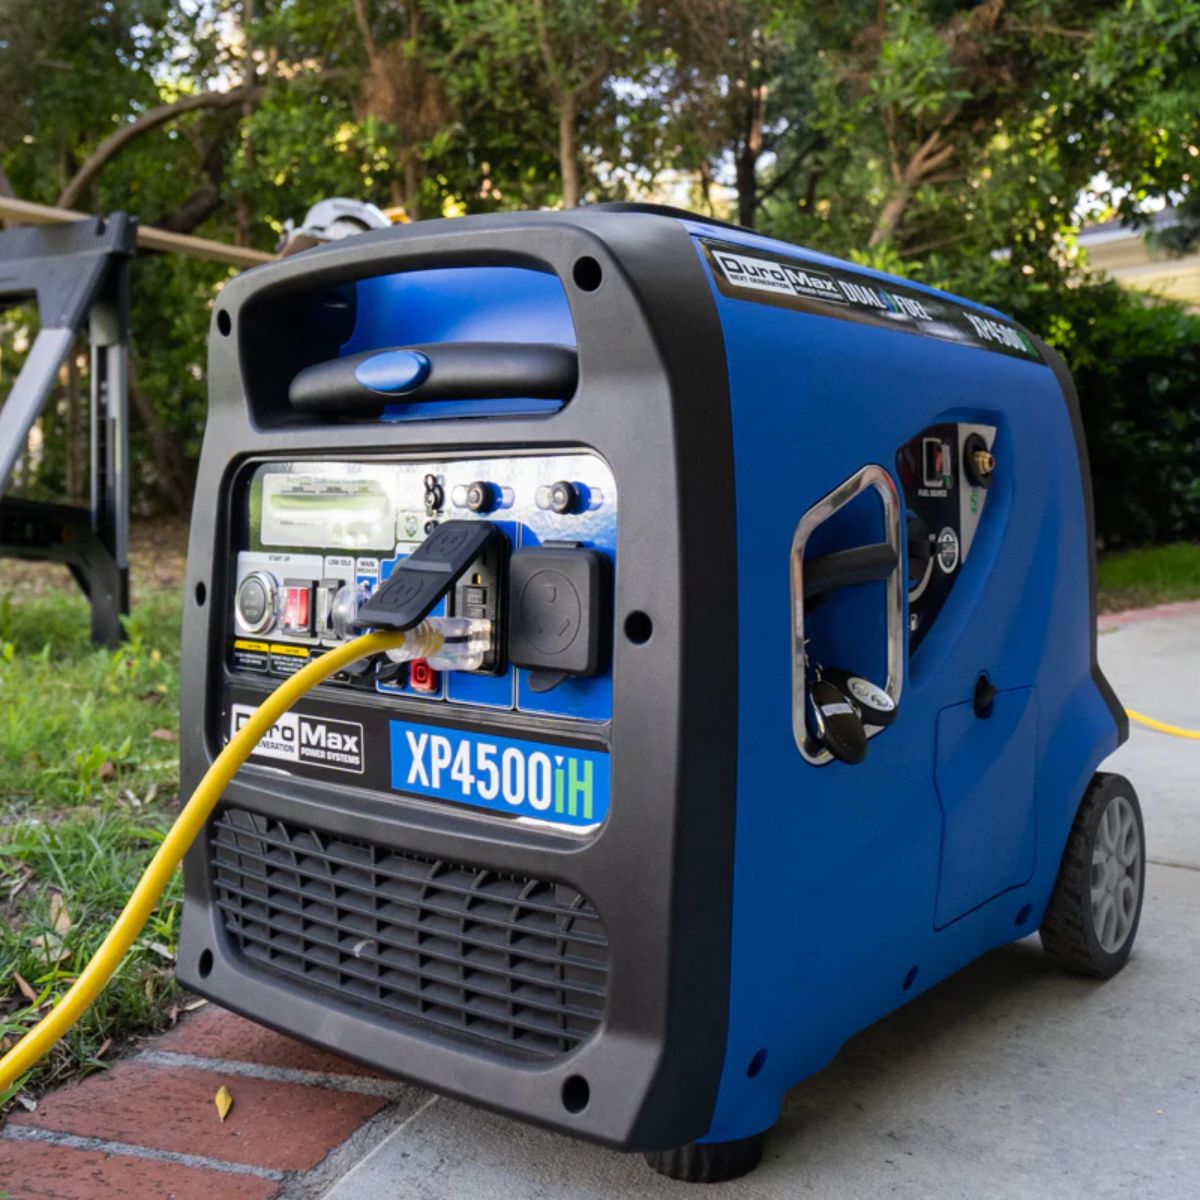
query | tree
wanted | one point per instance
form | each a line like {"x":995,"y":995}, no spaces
{"x":1140,"y":87}
{"x":571,"y":49}
{"x":739,"y":91}
{"x":403,"y":86}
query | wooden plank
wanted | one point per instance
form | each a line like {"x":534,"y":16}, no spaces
{"x":25,"y":212}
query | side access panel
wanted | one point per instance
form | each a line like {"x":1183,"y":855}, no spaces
{"x":986,"y":783}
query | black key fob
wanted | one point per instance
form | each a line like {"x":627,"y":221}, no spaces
{"x":836,"y":725}
{"x":874,"y":705}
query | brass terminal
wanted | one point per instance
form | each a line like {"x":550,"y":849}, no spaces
{"x":984,"y":462}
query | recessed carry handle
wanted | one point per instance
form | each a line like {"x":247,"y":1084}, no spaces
{"x":845,"y":568}
{"x":816,"y":577}
{"x":363,"y":385}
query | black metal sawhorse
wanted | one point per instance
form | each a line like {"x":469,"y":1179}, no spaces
{"x":79,"y":274}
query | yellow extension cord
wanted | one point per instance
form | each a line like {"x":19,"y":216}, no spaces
{"x":1162,"y":727}
{"x":100,"y":969}
{"x":104,"y":963}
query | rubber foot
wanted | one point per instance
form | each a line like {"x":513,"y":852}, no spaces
{"x":709,"y":1162}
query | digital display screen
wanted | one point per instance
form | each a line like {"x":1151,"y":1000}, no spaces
{"x":353,"y":512}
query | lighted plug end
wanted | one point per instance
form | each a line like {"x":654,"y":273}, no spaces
{"x":448,"y":643}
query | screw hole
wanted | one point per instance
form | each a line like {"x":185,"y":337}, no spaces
{"x":910,"y":978}
{"x":224,"y":324}
{"x":575,"y":1093}
{"x":587,"y":274}
{"x":638,"y":627}
{"x":205,"y":964}
{"x":756,"y":1063}
{"x":1025,"y":913}
{"x":201,"y":594}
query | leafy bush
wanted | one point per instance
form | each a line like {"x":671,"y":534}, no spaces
{"x":1136,"y":363}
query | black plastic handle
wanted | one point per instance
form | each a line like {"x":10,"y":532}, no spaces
{"x":363,"y":385}
{"x":845,"y":568}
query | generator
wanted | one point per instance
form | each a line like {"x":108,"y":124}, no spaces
{"x":775,"y":698}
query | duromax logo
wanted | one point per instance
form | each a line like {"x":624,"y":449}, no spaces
{"x":316,"y":741}
{"x":568,"y":785}
{"x":768,"y":275}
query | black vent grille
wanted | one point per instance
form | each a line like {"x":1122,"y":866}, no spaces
{"x":517,"y":964}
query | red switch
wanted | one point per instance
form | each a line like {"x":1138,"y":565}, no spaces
{"x":297,"y":607}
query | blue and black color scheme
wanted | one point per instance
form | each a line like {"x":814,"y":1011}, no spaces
{"x":624,"y":879}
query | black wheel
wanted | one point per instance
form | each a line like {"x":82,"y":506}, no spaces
{"x":709,"y":1162}
{"x":1093,"y":914}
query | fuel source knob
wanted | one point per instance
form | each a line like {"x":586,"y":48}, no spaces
{"x":480,"y":497}
{"x":257,"y":602}
{"x":561,"y":497}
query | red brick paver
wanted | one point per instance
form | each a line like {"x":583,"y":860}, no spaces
{"x":37,"y":1171}
{"x":214,"y":1033}
{"x":285,"y":1126}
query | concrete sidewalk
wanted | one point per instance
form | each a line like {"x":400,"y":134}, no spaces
{"x":1009,"y":1080}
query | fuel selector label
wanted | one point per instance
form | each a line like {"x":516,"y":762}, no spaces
{"x":566,"y":785}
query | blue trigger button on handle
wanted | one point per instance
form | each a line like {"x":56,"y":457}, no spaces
{"x":393,"y":372}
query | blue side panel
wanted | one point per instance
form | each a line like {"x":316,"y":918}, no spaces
{"x":836,"y":868}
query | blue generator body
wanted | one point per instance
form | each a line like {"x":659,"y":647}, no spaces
{"x":634,"y":876}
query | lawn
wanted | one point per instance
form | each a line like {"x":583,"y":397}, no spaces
{"x":88,"y":785}
{"x":1154,"y":575}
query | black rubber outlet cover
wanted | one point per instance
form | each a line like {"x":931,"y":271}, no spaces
{"x":412,"y":590}
{"x":555,"y":597}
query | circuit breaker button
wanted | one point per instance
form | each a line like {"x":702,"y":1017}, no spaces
{"x":422,"y":677}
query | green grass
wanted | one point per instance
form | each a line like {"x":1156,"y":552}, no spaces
{"x":1154,"y":575}
{"x":86,"y":792}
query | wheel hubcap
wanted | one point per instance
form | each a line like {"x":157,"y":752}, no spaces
{"x":1116,"y":874}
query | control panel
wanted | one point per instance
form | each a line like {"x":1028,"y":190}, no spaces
{"x":319,"y":539}
{"x":945,"y":471}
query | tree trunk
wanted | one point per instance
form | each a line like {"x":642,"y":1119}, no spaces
{"x":151,"y":119}
{"x":244,"y":217}
{"x":890,"y":216}
{"x":746,"y":165}
{"x":6,"y":190}
{"x":568,"y":166}
{"x":746,"y":168}
{"x":410,"y":160}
